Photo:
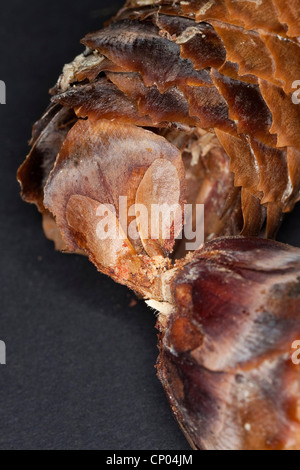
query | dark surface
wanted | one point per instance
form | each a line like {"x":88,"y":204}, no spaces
{"x":80,"y":372}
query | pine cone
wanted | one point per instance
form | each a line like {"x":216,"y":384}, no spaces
{"x":190,"y":101}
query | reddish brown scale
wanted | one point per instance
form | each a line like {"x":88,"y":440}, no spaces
{"x":138,"y":48}
{"x":286,"y":115}
{"x":198,"y":42}
{"x":170,"y":106}
{"x":274,"y":219}
{"x":210,"y":108}
{"x":247,"y":106}
{"x":272,"y":162}
{"x":242,"y":47}
{"x":286,"y":54}
{"x":254,"y":213}
{"x":243,"y":163}
{"x":102,"y":99}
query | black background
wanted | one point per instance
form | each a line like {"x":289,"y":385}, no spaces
{"x":80,"y":361}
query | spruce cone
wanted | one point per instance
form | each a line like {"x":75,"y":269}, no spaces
{"x":190,"y":101}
